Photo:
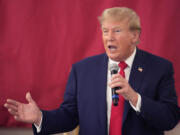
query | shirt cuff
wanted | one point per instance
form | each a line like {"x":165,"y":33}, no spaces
{"x":38,"y":127}
{"x":137,"y":108}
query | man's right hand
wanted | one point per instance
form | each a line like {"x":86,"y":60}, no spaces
{"x":29,"y":113}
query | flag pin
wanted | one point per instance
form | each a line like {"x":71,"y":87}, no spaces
{"x":140,"y":69}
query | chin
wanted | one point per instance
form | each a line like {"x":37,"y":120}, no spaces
{"x":114,"y":58}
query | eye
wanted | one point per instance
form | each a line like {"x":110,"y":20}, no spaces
{"x":105,"y":31}
{"x":118,"y":30}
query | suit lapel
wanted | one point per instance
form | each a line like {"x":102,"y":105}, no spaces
{"x":101,"y":85}
{"x":136,"y":76}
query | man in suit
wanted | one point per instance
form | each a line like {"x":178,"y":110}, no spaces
{"x":147,"y":99}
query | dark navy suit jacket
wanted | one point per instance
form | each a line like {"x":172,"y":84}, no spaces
{"x":85,"y":98}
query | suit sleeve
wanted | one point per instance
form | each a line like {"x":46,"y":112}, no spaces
{"x":162,"y":113}
{"x":65,"y":118}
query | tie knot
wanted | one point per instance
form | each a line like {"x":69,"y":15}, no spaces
{"x":122,"y":65}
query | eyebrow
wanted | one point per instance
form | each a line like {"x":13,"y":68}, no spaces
{"x":115,"y":27}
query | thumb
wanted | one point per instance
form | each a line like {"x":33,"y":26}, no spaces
{"x":28,"y":97}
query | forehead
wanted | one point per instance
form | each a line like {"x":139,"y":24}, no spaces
{"x":114,"y":24}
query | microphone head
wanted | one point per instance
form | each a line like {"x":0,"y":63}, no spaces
{"x":114,"y":68}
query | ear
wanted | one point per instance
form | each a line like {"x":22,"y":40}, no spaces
{"x":135,"y":36}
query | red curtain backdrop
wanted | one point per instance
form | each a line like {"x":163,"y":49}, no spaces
{"x":41,"y":39}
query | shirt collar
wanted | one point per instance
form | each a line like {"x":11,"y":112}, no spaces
{"x":129,"y":60}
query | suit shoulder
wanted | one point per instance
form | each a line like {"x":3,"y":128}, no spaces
{"x":92,"y":60}
{"x":155,"y":59}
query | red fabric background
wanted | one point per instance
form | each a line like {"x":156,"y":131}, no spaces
{"x":41,"y":39}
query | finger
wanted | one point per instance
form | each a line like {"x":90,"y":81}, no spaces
{"x":117,"y":80}
{"x":123,"y":93}
{"x":117,"y":84}
{"x":115,"y":76}
{"x":17,"y":118}
{"x":13,"y":102}
{"x":9,"y":106}
{"x":113,"y":82}
{"x":28,"y":97}
{"x":120,"y":91}
{"x":12,"y":112}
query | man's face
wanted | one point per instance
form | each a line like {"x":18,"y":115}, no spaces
{"x":119,"y":41}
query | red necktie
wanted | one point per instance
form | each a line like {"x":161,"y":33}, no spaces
{"x":117,"y":111}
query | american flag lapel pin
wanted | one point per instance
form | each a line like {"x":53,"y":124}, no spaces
{"x":140,"y":69}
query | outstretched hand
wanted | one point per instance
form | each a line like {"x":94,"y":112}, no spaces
{"x":29,"y":113}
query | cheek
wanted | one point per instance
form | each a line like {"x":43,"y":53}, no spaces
{"x":124,"y":45}
{"x":105,"y":42}
{"x":124,"y":40}
{"x":103,"y":39}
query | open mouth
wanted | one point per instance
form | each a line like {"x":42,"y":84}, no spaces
{"x":112,"y":47}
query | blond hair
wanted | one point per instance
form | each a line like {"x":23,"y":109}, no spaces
{"x":120,"y":14}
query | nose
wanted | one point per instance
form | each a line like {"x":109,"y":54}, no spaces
{"x":111,"y":36}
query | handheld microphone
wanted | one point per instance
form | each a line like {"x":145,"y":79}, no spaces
{"x":115,"y":97}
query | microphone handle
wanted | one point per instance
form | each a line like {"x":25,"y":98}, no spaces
{"x":115,"y":96}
